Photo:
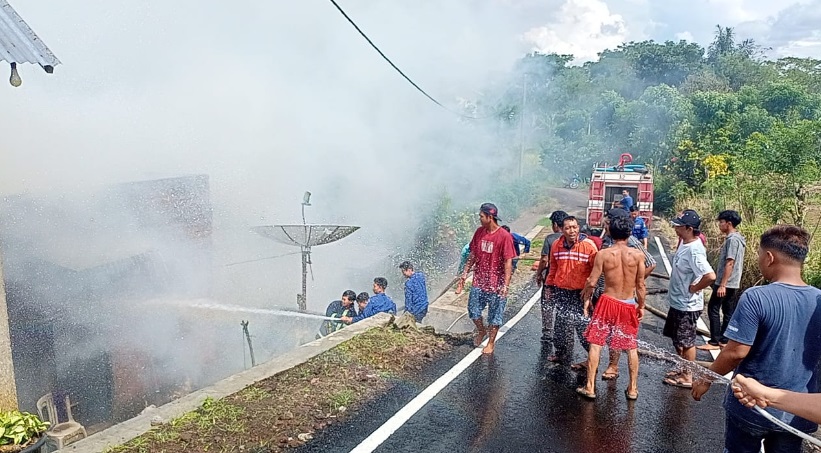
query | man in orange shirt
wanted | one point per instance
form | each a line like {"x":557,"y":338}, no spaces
{"x":571,"y":261}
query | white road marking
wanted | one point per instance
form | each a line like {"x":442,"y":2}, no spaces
{"x":403,"y":415}
{"x":664,"y":258}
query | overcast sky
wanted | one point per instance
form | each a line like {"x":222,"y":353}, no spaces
{"x":585,"y":27}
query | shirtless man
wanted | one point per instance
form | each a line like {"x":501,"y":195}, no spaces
{"x":621,"y":307}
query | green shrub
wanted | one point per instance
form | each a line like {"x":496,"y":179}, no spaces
{"x":20,"y":428}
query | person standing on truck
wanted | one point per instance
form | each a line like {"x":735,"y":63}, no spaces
{"x":626,"y":200}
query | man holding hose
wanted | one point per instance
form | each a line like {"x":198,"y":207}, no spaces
{"x":775,"y":338}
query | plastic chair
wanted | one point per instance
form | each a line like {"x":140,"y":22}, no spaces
{"x":64,"y":433}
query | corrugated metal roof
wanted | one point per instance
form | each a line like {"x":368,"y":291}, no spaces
{"x":19,"y":43}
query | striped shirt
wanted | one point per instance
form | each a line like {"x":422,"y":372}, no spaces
{"x":571,"y":265}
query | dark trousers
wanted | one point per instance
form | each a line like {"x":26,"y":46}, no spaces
{"x":742,"y":437}
{"x":548,"y":313}
{"x":726,"y":305}
{"x":569,"y":317}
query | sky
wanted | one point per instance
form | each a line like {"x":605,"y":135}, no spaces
{"x":271,"y":99}
{"x":585,"y":27}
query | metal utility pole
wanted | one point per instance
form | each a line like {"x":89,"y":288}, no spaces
{"x":522,"y":127}
{"x":247,"y":334}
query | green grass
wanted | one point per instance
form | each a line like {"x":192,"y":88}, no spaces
{"x":525,"y":264}
{"x":341,"y":398}
{"x":545,"y":222}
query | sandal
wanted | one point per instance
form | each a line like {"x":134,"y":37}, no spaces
{"x":672,"y":374}
{"x":678,"y":383}
{"x":581,"y":391}
{"x":581,"y":366}
{"x":631,"y":396}
{"x":609,"y":376}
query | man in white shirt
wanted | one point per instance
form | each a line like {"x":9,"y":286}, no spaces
{"x":691,"y":274}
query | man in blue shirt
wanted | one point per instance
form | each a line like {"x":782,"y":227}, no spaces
{"x":640,"y":230}
{"x":626,"y":200}
{"x":464,"y":258}
{"x":416,"y":291}
{"x":338,"y":309}
{"x":774,"y":337}
{"x":378,"y":303}
{"x":519,"y":241}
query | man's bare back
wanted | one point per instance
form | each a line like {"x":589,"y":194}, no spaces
{"x":623,"y":269}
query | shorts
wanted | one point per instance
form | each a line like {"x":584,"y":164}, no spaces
{"x":681,"y":327}
{"x":615,"y":322}
{"x":495,"y":303}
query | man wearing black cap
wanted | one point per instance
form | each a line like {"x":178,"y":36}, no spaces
{"x":691,"y":274}
{"x":492,"y":253}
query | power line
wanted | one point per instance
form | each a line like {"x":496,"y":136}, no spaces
{"x":385,"y":57}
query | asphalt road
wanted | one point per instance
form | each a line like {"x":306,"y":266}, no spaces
{"x":516,"y":401}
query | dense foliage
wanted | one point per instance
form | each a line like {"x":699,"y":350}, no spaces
{"x":723,"y":127}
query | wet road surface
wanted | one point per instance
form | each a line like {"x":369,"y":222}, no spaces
{"x":517,"y":401}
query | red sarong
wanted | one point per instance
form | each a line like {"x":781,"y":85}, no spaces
{"x":614,"y":322}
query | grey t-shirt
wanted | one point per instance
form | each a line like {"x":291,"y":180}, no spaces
{"x":689,"y":265}
{"x":733,"y":248}
{"x":548,"y":242}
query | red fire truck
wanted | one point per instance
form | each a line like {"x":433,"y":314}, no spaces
{"x":607,"y":184}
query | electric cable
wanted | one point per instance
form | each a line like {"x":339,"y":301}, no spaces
{"x":408,"y":79}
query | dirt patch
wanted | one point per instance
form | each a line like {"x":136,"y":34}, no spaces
{"x":284,"y":411}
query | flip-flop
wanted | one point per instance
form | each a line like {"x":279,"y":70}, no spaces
{"x":631,"y":396}
{"x":609,"y":376}
{"x":708,"y":347}
{"x":678,"y":383}
{"x":581,"y":391}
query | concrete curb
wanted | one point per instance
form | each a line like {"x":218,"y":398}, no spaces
{"x":129,"y":429}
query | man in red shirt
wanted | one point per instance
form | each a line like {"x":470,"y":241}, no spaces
{"x":571,"y":261}
{"x":492,"y":253}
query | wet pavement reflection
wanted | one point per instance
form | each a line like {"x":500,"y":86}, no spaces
{"x":517,"y":401}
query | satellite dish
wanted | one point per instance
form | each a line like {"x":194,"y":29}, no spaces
{"x":305,"y":236}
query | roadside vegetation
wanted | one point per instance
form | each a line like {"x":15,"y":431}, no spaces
{"x":722,"y":127}
{"x":285,"y":411}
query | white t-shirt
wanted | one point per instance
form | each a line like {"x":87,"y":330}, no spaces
{"x":689,"y":265}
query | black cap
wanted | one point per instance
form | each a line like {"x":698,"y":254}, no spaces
{"x":490,"y":209}
{"x":617,"y":212}
{"x":688,"y":218}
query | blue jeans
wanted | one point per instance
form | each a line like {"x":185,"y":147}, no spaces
{"x":744,"y":437}
{"x":478,"y":300}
